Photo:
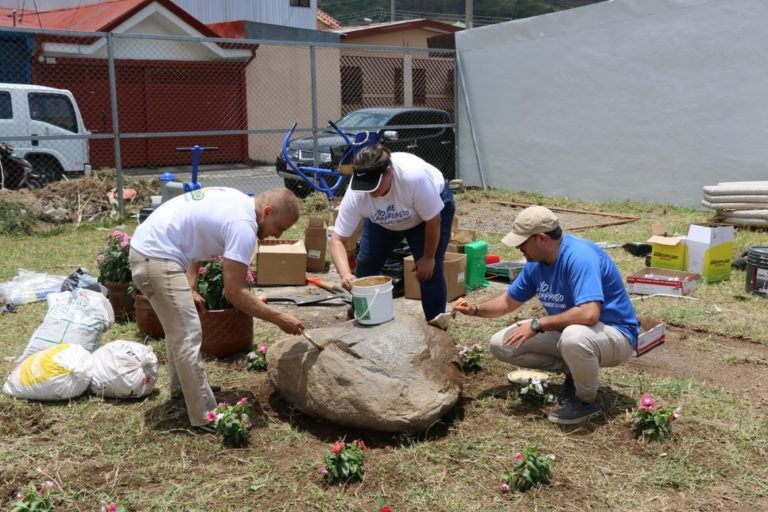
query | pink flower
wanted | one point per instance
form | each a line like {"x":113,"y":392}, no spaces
{"x":518,"y":457}
{"x":337,"y":447}
{"x":243,"y":401}
{"x":103,"y":507}
{"x":324,"y":470}
{"x":361,"y":444}
{"x":211,"y":416}
{"x":112,"y":507}
{"x":504,"y":487}
{"x":251,"y":356}
{"x":202,"y":270}
{"x":646,"y":402}
{"x":263,"y":348}
{"x":678,"y":412}
{"x":222,"y":404}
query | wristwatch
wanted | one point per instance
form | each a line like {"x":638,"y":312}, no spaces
{"x":536,"y":325}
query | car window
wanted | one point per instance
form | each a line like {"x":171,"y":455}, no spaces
{"x":6,"y":111}
{"x":55,"y":109}
{"x":416,"y":118}
{"x":360,"y":119}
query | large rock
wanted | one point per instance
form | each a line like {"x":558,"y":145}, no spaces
{"x":407,"y":377}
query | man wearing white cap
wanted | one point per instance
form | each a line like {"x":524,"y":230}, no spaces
{"x":590,"y":320}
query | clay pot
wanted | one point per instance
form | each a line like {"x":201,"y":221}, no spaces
{"x":121,"y":300}
{"x":146,"y":319}
{"x":226,"y":332}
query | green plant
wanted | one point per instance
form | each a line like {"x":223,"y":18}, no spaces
{"x":470,"y":357}
{"x":210,"y":283}
{"x":344,"y":462}
{"x":257,"y":359}
{"x":35,"y":498}
{"x":535,"y":393}
{"x":232,"y":422}
{"x":530,"y":469}
{"x":113,"y":260}
{"x":16,"y":219}
{"x":654,"y":422}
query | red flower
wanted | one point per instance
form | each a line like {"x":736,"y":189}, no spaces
{"x":361,"y":444}
{"x":385,"y":509}
{"x":337,"y":447}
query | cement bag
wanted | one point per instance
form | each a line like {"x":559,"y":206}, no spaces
{"x":57,"y":373}
{"x":124,"y":369}
{"x":78,"y":317}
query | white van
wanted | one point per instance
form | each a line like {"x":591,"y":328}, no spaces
{"x":34,"y":110}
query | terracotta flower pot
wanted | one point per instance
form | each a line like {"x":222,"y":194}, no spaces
{"x":146,"y":319}
{"x":121,"y":300}
{"x":226,"y":332}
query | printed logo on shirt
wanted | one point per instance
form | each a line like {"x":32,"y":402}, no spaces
{"x":197,"y":195}
{"x":390,"y":216}
{"x":548,"y":298}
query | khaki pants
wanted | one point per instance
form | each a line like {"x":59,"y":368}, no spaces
{"x":165,"y":284}
{"x":578,"y":349}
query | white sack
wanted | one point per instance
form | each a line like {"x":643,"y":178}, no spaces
{"x":57,"y":373}
{"x":78,"y":317}
{"x":124,"y":369}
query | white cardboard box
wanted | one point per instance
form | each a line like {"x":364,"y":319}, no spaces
{"x":709,"y":251}
{"x":650,"y":281}
{"x":651,"y":336}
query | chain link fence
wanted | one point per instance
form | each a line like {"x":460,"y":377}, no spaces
{"x":75,"y":102}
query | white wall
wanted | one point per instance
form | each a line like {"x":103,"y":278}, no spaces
{"x":638,"y":99}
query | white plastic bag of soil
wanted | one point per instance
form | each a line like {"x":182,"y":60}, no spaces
{"x":29,"y":286}
{"x":57,"y":373}
{"x":78,"y":317}
{"x":124,"y":369}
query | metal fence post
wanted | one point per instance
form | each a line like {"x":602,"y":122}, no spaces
{"x":115,"y":123}
{"x":313,"y":93}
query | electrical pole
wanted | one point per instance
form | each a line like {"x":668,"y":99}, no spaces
{"x":467,"y":14}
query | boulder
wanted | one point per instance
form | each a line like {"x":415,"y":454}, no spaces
{"x":407,"y":376}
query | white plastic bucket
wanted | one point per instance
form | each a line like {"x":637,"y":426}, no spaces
{"x":372,"y":300}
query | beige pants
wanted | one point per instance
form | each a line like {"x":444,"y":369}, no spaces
{"x":165,"y":284}
{"x":578,"y":349}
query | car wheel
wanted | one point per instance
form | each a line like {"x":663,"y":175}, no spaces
{"x":299,"y":188}
{"x":47,"y":167}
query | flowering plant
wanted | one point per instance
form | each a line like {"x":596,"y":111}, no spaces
{"x":470,"y":357}
{"x":34,"y":498}
{"x":113,"y":260}
{"x":210,"y":283}
{"x":112,"y":507}
{"x":257,"y":359}
{"x":535,"y":393}
{"x":530,"y":469}
{"x":232,"y":422}
{"x":652,"y":421}
{"x":344,"y":461}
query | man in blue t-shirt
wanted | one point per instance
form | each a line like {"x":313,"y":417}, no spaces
{"x":590,"y":320}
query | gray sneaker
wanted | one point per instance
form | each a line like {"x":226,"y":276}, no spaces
{"x":575,"y":411}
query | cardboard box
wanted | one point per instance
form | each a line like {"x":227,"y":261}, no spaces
{"x":281,"y":262}
{"x":656,"y":280}
{"x":459,"y":238}
{"x":652,"y":334}
{"x":710,"y":247}
{"x":454,"y":268}
{"x":316,"y":242}
{"x":667,"y":251}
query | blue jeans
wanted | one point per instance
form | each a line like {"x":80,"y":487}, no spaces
{"x":377,"y":242}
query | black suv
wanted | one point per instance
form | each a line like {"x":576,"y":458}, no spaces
{"x":435,"y":145}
